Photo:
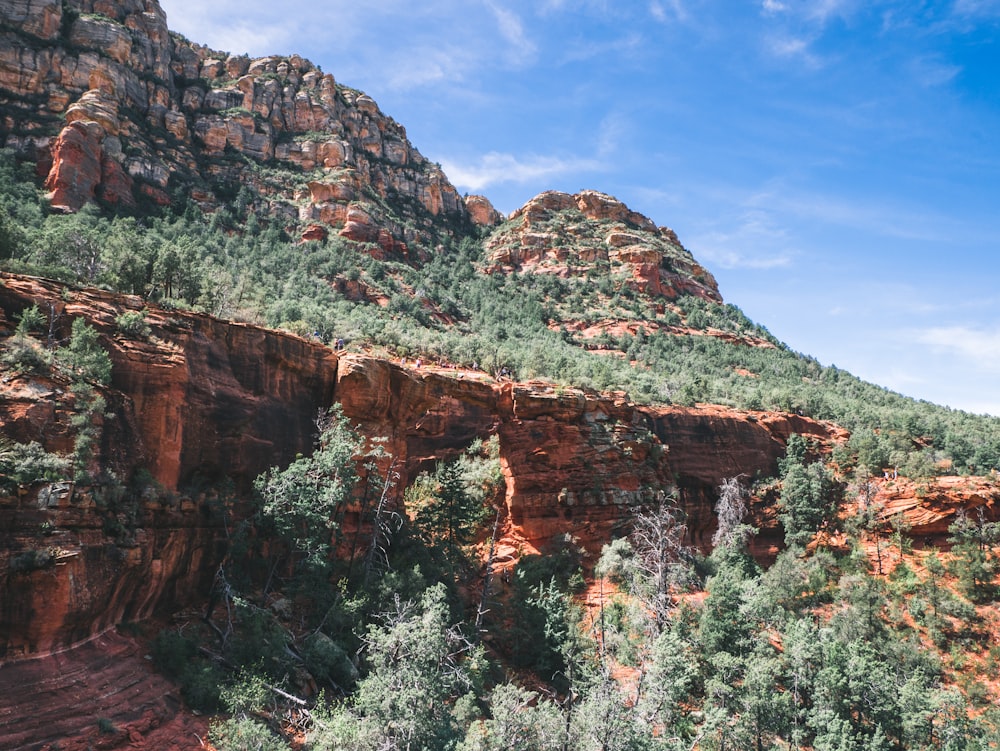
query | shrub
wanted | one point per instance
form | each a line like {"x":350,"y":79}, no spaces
{"x":26,"y":355}
{"x":84,"y":357}
{"x":133,"y":323}
{"x":106,"y":726}
{"x":25,"y":463}
{"x":30,"y":560}
{"x":31,"y":319}
{"x":172,"y":653}
{"x":244,"y":734}
{"x":327,"y":661}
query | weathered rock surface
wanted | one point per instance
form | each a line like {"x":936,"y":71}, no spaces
{"x":481,"y":211}
{"x":931,"y":506}
{"x":559,"y":233}
{"x":200,"y":401}
{"x":80,"y":79}
{"x":60,"y":698}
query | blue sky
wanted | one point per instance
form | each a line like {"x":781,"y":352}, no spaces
{"x":835,"y":163}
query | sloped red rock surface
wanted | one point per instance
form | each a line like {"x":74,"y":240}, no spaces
{"x":930,"y":506}
{"x":101,"y":694}
{"x":198,"y":398}
{"x":73,"y":563}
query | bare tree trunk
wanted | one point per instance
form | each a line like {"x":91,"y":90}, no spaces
{"x":481,"y":611}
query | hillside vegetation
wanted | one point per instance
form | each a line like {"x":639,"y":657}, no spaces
{"x":588,"y":326}
{"x":851,"y":639}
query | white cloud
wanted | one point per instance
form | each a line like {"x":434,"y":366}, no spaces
{"x":671,"y":10}
{"x":512,"y":30}
{"x":443,"y":41}
{"x":610,"y":134}
{"x":618,"y":47}
{"x":977,"y":8}
{"x":773,"y":6}
{"x":495,"y":168}
{"x":873,"y":217}
{"x":752,"y":241}
{"x":930,"y":72}
{"x":792,"y":47}
{"x":979,"y":347}
{"x":823,"y":10}
{"x":728,"y":258}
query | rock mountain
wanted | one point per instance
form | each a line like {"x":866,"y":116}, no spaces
{"x":110,"y":106}
{"x":113,"y":106}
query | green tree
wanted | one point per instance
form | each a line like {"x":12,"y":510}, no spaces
{"x":127,"y":258}
{"x":722,"y":625}
{"x":418,"y":666}
{"x":520,"y":720}
{"x":447,"y":514}
{"x":973,"y":540}
{"x":84,"y":357}
{"x":808,"y":496}
{"x":303,"y":500}
{"x":672,"y":674}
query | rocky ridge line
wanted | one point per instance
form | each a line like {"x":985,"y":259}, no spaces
{"x":113,"y":106}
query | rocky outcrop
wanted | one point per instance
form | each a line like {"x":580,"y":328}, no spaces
{"x":115,"y":107}
{"x":199,"y":403}
{"x":481,"y":211}
{"x":930,"y":506}
{"x":563,"y":234}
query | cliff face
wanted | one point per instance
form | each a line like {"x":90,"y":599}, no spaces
{"x":199,"y":401}
{"x":113,"y":106}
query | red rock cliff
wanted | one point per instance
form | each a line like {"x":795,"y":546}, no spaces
{"x":198,"y":401}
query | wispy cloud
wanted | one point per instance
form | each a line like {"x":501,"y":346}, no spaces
{"x":796,"y":27}
{"x":977,"y":8}
{"x":815,"y":12}
{"x":610,"y":134}
{"x":666,"y":11}
{"x":512,"y":30}
{"x":729,"y":258}
{"x":878,"y":218}
{"x":447,"y":40}
{"x":933,"y":71}
{"x":792,"y":47}
{"x":618,"y":46}
{"x":495,"y":168}
{"x":752,"y":240}
{"x":824,"y":10}
{"x":980,"y":347}
{"x":257,"y":32}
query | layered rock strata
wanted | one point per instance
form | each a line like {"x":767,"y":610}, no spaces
{"x":563,"y":234}
{"x":199,"y":402}
{"x":112,"y":106}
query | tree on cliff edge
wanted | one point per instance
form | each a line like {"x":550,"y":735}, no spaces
{"x":303,"y":500}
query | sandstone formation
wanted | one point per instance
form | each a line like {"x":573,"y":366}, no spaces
{"x":101,"y":694}
{"x":113,"y":106}
{"x":199,"y":404}
{"x":481,"y":211}
{"x":930,"y":506}
{"x":200,"y":401}
{"x":559,"y":233}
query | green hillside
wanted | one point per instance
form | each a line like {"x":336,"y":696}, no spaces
{"x":587,"y":327}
